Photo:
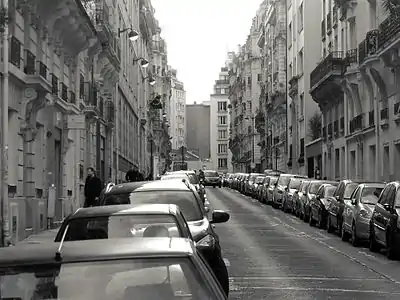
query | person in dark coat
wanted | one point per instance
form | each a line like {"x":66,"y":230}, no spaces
{"x":93,"y":188}
{"x":134,"y":175}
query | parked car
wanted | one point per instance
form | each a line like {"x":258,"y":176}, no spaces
{"x":385,"y":223}
{"x":119,"y":221}
{"x":298,"y":195}
{"x":319,"y":205}
{"x":337,"y":202}
{"x":357,"y":214}
{"x":154,"y":268}
{"x":185,"y":196}
{"x":292,"y":187}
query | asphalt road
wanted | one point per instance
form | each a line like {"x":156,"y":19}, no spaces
{"x":273,"y":255}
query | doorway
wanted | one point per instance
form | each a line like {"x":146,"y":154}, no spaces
{"x":310,"y":167}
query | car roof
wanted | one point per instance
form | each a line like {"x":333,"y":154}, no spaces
{"x":372,"y":184}
{"x":180,"y":172}
{"x":161,"y":185}
{"x":142,"y":209}
{"x":92,"y":250}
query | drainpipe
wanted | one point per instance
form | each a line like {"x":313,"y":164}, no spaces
{"x":5,"y":237}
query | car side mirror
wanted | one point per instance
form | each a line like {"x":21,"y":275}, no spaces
{"x":353,"y":201}
{"x":207,"y":209}
{"x":337,"y":198}
{"x":387,"y":206}
{"x":219,"y":216}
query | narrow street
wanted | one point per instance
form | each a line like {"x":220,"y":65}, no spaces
{"x":273,"y":255}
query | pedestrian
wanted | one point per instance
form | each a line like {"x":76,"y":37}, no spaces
{"x":325,"y":178}
{"x":132,"y":175}
{"x":92,"y":189}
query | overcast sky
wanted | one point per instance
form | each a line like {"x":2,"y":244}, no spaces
{"x":198,"y":34}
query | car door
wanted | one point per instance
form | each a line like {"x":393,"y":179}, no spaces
{"x":334,"y":204}
{"x":380,"y":212}
{"x":388,"y":212}
{"x":350,"y":207}
{"x":315,"y":202}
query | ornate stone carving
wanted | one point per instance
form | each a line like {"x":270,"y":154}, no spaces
{"x":33,"y":102}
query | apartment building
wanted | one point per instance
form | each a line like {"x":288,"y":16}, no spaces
{"x":271,"y":120}
{"x":245,"y":79}
{"x":303,"y":48}
{"x":177,"y":112}
{"x":355,"y":86}
{"x":198,"y":129}
{"x":219,"y":123}
{"x":70,"y":103}
{"x":159,"y":128}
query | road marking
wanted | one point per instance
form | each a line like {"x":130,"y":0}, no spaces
{"x":238,"y":279}
{"x":227,"y":262}
{"x":316,"y":289}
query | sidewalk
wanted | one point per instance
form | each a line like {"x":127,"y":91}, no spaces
{"x":44,"y":236}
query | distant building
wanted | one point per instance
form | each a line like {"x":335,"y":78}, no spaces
{"x":177,"y":112}
{"x":198,"y":128}
{"x":219,"y":123}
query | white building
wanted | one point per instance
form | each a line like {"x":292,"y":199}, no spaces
{"x":69,"y":82}
{"x":177,"y":113}
{"x":356,"y":87}
{"x":219,"y":124}
{"x":303,"y":48}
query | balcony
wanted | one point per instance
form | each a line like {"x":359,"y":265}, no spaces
{"x":36,"y":75}
{"x":351,"y":57}
{"x":90,"y":100}
{"x":326,"y":78}
{"x":356,"y":124}
{"x":377,"y":40}
{"x":371,"y":118}
{"x":293,"y":86}
{"x":336,"y":128}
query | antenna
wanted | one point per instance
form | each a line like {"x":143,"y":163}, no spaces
{"x":58,"y":256}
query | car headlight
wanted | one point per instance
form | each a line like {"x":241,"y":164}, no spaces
{"x":206,"y":242}
{"x":364,"y":214}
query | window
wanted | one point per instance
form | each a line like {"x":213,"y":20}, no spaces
{"x":222,"y":106}
{"x":301,"y":104}
{"x":222,"y":148}
{"x":300,"y":62}
{"x":222,"y":134}
{"x":259,"y":77}
{"x":302,"y":147}
{"x":222,"y":162}
{"x":218,"y":91}
{"x":222,"y":120}
{"x":290,"y":35}
{"x":249,"y":80}
{"x":300,"y":18}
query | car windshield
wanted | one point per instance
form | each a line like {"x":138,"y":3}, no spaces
{"x":370,"y":195}
{"x":211,"y":174}
{"x":155,"y":279}
{"x":349,"y":189}
{"x":185,"y":200}
{"x":193,"y":179}
{"x":260,"y":179}
{"x":329,"y":191}
{"x":273,"y":181}
{"x":283,"y":180}
{"x":314,"y":186}
{"x":304,"y":186}
{"x":294,"y":183}
{"x":123,"y":226}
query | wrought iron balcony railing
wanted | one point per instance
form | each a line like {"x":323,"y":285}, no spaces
{"x":333,"y":62}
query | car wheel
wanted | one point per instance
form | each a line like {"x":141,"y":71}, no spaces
{"x":343,"y":233}
{"x":214,"y":186}
{"x":373,"y":245}
{"x":354,"y":239}
{"x":390,"y":247}
{"x":311,"y":219}
{"x":221,"y":272}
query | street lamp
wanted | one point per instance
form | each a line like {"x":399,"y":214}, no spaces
{"x":144,"y":63}
{"x":133,"y":35}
